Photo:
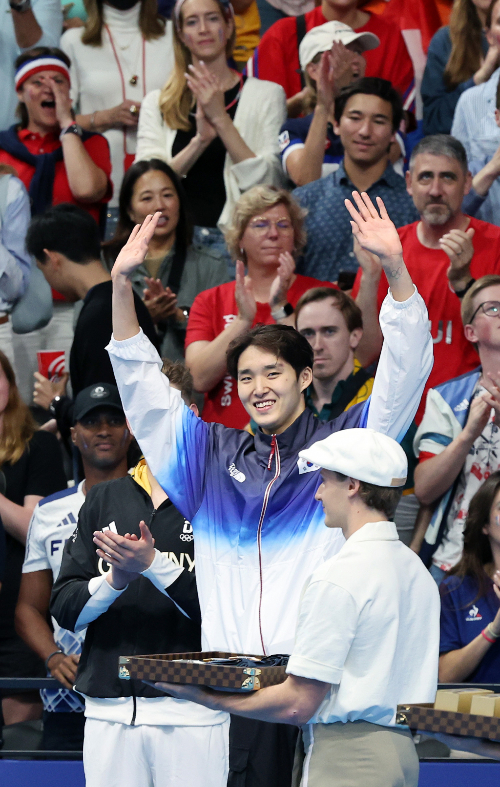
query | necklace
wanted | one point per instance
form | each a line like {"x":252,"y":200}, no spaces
{"x":128,"y":157}
{"x":135,"y":77}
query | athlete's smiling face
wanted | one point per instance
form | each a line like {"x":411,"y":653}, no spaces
{"x":270,"y":390}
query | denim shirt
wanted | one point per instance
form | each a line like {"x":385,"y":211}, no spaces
{"x":329,"y":248}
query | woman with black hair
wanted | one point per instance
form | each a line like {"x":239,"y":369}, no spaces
{"x":470,"y":596}
{"x":175,"y":270}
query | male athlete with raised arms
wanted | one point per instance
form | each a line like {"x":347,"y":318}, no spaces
{"x":259,"y":532}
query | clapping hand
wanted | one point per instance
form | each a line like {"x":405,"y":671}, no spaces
{"x":243,"y":292}
{"x":343,"y":65}
{"x":160,"y":301}
{"x":204,"y":129}
{"x":495,"y":623}
{"x":326,"y":88}
{"x":492,"y":384}
{"x":127,"y":553}
{"x":134,"y":252}
{"x":457,"y":244}
{"x":46,"y":390}
{"x":282,"y":282}
{"x":375,"y":233}
{"x":207,"y":90}
{"x":479,"y":415}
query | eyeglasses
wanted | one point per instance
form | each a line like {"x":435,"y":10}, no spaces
{"x":262,"y":226}
{"x":490,"y":308}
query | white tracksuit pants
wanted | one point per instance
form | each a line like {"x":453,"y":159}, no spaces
{"x":118,"y":755}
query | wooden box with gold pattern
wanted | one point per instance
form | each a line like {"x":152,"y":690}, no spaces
{"x":467,"y":712}
{"x":216,"y":669}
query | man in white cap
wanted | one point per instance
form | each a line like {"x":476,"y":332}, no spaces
{"x":367,"y":636}
{"x":330,"y":58}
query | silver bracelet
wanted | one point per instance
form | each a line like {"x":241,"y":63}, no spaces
{"x":49,"y":657}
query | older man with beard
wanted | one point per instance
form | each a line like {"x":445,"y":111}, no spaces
{"x":445,"y":252}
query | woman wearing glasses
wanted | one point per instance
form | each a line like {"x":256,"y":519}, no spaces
{"x":458,"y":441}
{"x":265,"y":236}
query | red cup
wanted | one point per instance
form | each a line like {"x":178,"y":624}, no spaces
{"x":51,"y":363}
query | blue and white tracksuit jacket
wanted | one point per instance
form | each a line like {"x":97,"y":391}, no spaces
{"x":446,"y":412}
{"x":259,"y":532}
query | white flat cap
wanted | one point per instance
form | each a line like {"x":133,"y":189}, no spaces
{"x":363,"y":454}
{"x":321,"y":38}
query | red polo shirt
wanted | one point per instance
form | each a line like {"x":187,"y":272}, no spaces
{"x":96,"y":146}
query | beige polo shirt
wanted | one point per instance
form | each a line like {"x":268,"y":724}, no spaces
{"x":369,"y":625}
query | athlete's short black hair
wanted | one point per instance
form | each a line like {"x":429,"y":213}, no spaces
{"x":371,"y":86}
{"x":282,"y":340}
{"x":67,"y":229}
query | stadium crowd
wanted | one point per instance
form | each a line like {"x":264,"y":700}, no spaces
{"x":239,"y":231}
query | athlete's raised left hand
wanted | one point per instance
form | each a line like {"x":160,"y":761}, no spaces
{"x":374,"y":232}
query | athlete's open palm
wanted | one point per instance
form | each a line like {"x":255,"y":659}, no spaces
{"x":374,"y":232}
{"x":135,"y":249}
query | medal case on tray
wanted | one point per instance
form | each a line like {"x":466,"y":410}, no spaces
{"x":207,"y":668}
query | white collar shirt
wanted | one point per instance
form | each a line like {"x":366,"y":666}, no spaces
{"x":369,"y":625}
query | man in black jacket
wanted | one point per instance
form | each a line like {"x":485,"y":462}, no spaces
{"x":66,"y":245}
{"x":134,"y":735}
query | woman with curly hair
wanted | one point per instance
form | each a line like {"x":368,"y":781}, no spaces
{"x":470,"y":596}
{"x":265,"y":236}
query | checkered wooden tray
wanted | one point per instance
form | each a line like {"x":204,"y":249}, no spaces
{"x":178,"y":668}
{"x":426,"y":718}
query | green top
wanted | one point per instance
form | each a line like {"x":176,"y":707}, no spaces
{"x":203,"y":269}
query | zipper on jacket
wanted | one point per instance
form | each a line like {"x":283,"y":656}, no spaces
{"x":274,"y":453}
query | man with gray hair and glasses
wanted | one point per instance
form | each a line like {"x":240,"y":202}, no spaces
{"x":444,"y":252}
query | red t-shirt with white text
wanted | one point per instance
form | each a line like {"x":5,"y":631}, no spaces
{"x":96,"y":146}
{"x":212,"y":311}
{"x":453,"y":354}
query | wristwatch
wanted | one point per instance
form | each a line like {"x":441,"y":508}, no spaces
{"x":73,"y":128}
{"x":282,"y":312}
{"x":53,"y":405}
{"x":21,"y":7}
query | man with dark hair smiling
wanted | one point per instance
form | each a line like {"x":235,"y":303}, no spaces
{"x":348,"y":672}
{"x":258,"y":530}
{"x":367,"y":115}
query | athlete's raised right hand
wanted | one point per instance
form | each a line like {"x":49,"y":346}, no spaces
{"x":135,"y":249}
